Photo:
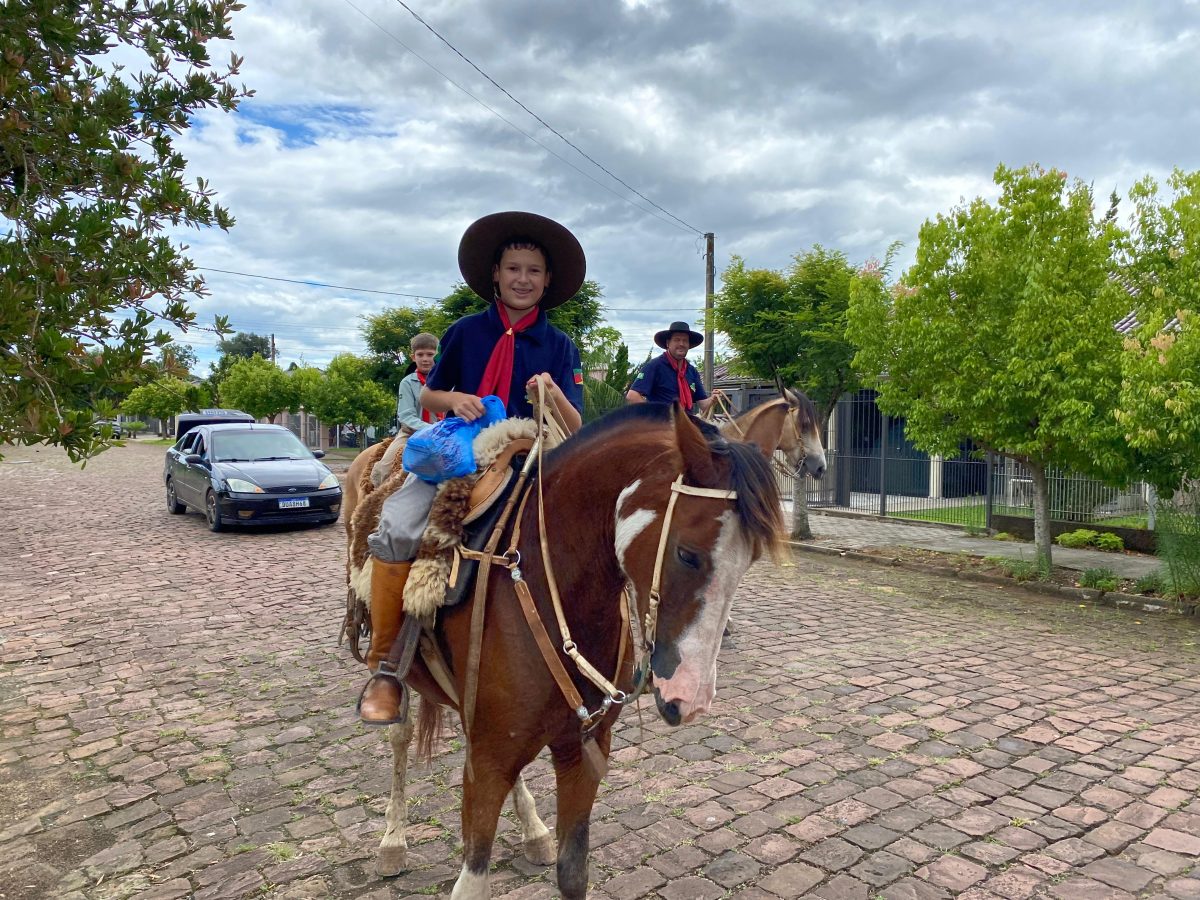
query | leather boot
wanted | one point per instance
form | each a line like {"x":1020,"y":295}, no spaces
{"x":381,"y":698}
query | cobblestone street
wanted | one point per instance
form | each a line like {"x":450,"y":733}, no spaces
{"x":176,"y":720}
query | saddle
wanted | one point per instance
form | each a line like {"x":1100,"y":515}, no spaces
{"x":464,"y":514}
{"x":487,"y":502}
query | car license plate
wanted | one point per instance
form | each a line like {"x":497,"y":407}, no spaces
{"x":298,"y":503}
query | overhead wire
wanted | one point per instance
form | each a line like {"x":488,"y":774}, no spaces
{"x":675,"y":224}
{"x":358,"y":290}
{"x":544,"y":123}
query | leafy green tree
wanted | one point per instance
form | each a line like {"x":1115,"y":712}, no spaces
{"x":791,"y":328}
{"x":347,"y":395}
{"x":1002,"y":332}
{"x":177,"y":359}
{"x":90,"y":180}
{"x":163,"y":398}
{"x":242,"y":345}
{"x":1160,"y":395}
{"x":620,"y":370}
{"x":259,"y":387}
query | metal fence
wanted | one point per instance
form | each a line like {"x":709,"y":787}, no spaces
{"x":873,"y":468}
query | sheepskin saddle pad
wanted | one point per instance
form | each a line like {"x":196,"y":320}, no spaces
{"x":429,"y":585}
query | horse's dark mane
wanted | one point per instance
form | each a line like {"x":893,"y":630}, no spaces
{"x":757,"y":502}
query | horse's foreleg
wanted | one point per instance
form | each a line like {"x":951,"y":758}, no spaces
{"x":538,"y":842}
{"x":393,"y":849}
{"x":577,"y":782}
{"x":483,"y":798}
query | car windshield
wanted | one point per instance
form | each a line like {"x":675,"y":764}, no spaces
{"x":255,"y":446}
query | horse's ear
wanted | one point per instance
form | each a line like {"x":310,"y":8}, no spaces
{"x":767,"y":428}
{"x":698,"y":466}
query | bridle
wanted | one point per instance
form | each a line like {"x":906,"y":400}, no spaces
{"x":786,"y":471}
{"x":638,"y":631}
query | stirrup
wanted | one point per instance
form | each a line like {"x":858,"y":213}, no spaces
{"x":397,"y":690}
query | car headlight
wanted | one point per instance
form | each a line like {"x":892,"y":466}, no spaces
{"x":330,"y":481}
{"x":241,"y":486}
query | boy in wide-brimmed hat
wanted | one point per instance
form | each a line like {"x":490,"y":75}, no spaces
{"x":669,"y":376}
{"x":523,"y":264}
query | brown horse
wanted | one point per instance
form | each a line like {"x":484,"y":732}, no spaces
{"x":646,"y":500}
{"x":792,"y":426}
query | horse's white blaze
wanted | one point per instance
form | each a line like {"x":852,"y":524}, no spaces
{"x":693,"y":685}
{"x":629,"y":526}
{"x":470,"y":886}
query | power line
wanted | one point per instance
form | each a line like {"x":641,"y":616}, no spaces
{"x":546,"y":124}
{"x":358,"y":290}
{"x":339,"y":287}
{"x":519,"y":129}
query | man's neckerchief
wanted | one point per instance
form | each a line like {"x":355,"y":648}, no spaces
{"x":685,"y":389}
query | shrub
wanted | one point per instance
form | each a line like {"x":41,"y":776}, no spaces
{"x":1078,"y":538}
{"x":1179,"y":543}
{"x":1005,"y":536}
{"x":1106,"y":540}
{"x":1100,"y":579}
{"x":1020,"y":569}
{"x":1154,"y":583}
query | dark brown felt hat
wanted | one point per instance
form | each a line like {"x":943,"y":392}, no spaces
{"x":695,"y":338}
{"x":477,"y":253}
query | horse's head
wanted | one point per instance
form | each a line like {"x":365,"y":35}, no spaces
{"x":720,"y":517}
{"x":801,"y":437}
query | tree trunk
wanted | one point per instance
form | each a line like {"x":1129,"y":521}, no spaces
{"x":800,"y":527}
{"x":1041,"y":517}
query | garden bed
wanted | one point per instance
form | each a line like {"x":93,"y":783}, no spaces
{"x":1060,"y":576}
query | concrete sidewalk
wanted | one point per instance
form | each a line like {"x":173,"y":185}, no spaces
{"x":860,"y":532}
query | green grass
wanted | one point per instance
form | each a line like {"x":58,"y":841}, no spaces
{"x":971,"y":515}
{"x":974,"y":515}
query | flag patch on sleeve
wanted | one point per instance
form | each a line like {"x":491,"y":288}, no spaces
{"x":579,"y":376}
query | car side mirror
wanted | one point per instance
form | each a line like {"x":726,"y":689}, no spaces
{"x":193,"y":459}
{"x":319,"y":454}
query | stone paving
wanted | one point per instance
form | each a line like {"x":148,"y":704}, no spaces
{"x":176,"y":721}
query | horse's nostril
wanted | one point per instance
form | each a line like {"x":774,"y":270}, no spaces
{"x":669,"y":710}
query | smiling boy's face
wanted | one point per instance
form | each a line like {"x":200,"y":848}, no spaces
{"x":522,"y":278}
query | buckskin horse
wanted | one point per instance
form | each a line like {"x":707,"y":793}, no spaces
{"x":643,"y":524}
{"x":791,"y":425}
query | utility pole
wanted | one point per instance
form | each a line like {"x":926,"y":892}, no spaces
{"x":272,"y":348}
{"x":709,"y":284}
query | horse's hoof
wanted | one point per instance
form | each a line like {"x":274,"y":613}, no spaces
{"x":391,"y":861}
{"x":541,"y":851}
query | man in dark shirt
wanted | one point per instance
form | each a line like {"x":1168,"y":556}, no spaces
{"x":669,"y":376}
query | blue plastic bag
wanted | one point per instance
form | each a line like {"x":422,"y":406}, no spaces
{"x":444,"y":450}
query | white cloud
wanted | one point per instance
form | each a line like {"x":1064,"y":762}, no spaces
{"x":775,"y":125}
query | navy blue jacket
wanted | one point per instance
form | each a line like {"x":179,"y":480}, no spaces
{"x":659,"y":383}
{"x":466,"y":347}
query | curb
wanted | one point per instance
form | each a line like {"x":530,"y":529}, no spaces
{"x":1111,"y":599}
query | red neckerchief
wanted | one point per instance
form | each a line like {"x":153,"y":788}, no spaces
{"x":426,"y":415}
{"x":685,"y":389}
{"x":497,"y":377}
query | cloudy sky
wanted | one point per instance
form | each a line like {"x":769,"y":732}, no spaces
{"x":775,"y":124}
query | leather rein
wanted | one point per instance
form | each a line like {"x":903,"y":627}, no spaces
{"x":641,"y":633}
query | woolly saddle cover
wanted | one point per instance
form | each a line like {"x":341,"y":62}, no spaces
{"x":429,"y":577}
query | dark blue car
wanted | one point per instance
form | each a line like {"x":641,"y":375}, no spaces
{"x":244,"y":473}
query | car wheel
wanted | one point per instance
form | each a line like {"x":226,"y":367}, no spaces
{"x":173,"y":505}
{"x":212,"y":512}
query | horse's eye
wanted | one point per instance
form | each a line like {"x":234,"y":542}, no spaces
{"x":688,"y":558}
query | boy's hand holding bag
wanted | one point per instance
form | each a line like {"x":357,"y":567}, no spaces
{"x":444,"y":450}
